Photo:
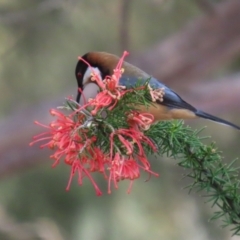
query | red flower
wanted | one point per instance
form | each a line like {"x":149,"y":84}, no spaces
{"x":111,"y":91}
{"x":122,"y":168}
{"x":127,"y":167}
{"x":98,"y":161}
{"x":143,"y":120}
{"x":103,"y":99}
{"x":75,"y":139}
{"x":136,"y":137}
{"x":82,"y":172}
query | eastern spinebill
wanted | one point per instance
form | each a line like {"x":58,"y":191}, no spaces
{"x":172,"y":106}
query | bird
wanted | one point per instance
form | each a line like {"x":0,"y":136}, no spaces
{"x":172,"y":105}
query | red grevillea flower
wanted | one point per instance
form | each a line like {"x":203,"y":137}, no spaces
{"x":111,"y":90}
{"x":63,"y":137}
{"x":136,"y":137}
{"x":75,"y":137}
{"x":142,"y":120}
{"x":127,"y":167}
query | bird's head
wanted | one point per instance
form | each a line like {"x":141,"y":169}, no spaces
{"x":101,"y":63}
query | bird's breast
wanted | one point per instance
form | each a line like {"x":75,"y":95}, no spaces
{"x":161,"y":112}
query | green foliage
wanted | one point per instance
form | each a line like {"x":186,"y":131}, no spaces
{"x":205,"y":166}
{"x":204,"y":162}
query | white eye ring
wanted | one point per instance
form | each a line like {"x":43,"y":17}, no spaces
{"x":88,"y":73}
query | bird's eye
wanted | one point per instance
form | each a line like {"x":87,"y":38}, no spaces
{"x":79,"y":74}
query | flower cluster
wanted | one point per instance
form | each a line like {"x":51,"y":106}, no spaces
{"x":76,"y":138}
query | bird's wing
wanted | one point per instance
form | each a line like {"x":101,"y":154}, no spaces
{"x":170,"y":99}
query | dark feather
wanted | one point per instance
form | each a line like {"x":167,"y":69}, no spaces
{"x":215,"y":119}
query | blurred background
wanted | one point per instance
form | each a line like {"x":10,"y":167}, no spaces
{"x":191,"y":45}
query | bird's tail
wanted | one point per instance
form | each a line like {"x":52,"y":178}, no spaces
{"x":215,"y":119}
